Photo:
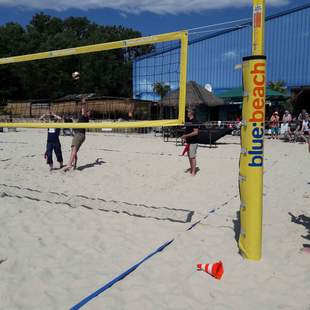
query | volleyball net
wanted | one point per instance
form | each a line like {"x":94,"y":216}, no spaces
{"x":131,"y":83}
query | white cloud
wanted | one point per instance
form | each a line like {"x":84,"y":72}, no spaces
{"x":136,"y":6}
{"x":230,"y":55}
{"x":124,"y":15}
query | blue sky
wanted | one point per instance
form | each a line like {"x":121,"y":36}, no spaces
{"x":147,"y":16}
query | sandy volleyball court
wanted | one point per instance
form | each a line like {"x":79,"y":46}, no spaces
{"x":64,"y":235}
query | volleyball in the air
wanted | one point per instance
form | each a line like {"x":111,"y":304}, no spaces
{"x":76,"y":75}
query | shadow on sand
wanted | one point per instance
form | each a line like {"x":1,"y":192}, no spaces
{"x":236,"y":223}
{"x":304,"y":221}
{"x":97,"y":162}
{"x":189,"y":170}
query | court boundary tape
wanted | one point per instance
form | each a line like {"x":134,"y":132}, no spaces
{"x":118,"y":278}
{"x":131,"y":269}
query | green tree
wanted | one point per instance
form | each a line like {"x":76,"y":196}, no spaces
{"x":278,"y":86}
{"x":105,"y":73}
{"x":161,"y":89}
{"x":12,"y":42}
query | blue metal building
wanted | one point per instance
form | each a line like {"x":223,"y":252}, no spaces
{"x":214,"y":59}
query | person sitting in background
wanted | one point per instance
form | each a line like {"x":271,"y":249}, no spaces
{"x":305,"y":128}
{"x":302,"y":115}
{"x":78,"y":138}
{"x":306,"y":122}
{"x":307,"y":131}
{"x":302,"y":129}
{"x":53,"y":143}
{"x":292,"y":130}
{"x":274,"y":125}
{"x":286,"y":119}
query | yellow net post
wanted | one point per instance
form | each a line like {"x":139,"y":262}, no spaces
{"x":252,"y":140}
{"x":258,"y":32}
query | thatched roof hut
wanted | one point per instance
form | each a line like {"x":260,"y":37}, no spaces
{"x":195,"y":95}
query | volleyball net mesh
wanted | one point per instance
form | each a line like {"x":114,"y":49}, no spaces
{"x":132,"y":83}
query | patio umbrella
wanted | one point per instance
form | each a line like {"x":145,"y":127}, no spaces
{"x":237,"y":93}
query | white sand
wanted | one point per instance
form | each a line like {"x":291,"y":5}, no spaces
{"x":55,"y":250}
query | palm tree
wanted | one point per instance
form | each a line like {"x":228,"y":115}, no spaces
{"x":161,"y":89}
{"x":278,"y":86}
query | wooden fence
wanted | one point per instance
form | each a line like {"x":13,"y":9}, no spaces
{"x":101,"y":108}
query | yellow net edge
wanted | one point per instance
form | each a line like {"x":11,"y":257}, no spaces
{"x":98,"y":125}
{"x":180,"y":35}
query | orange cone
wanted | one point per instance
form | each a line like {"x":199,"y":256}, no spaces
{"x":216,"y":270}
